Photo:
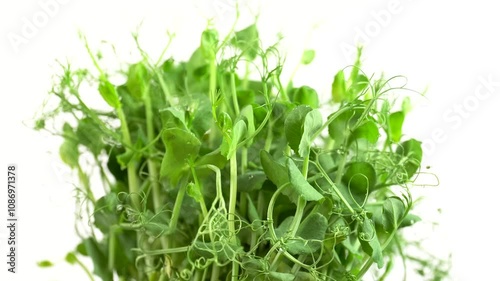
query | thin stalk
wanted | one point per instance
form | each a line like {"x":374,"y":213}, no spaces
{"x":177,"y":208}
{"x":164,"y":87}
{"x":301,"y":202}
{"x":274,"y":239}
{"x":282,"y":92}
{"x":233,"y":192}
{"x":334,"y":187}
{"x":133,"y":181}
{"x":243,"y":197}
{"x":234,"y":95}
{"x":87,"y":271}
{"x":213,"y":88}
{"x":269,"y":137}
{"x":165,"y":251}
{"x":215,"y":272}
{"x":299,"y":213}
{"x":152,"y":167}
{"x":260,"y":212}
{"x":111,"y":247}
{"x":203,"y":205}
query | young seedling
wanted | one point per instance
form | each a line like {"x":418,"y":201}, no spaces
{"x":211,"y":175}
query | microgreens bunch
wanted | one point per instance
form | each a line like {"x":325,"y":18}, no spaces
{"x":211,"y":175}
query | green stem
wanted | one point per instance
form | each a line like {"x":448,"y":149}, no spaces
{"x":274,"y":239}
{"x":165,"y":251}
{"x":305,"y":164}
{"x":133,"y":181}
{"x":299,"y":213}
{"x":177,"y":208}
{"x":111,"y":247}
{"x":87,"y":271}
{"x":164,"y":88}
{"x":243,"y":197}
{"x":269,"y":137}
{"x":213,"y":88}
{"x":282,"y":91}
{"x":152,"y":167}
{"x":215,"y":272}
{"x":335,"y":189}
{"x":233,"y":192}
{"x":301,"y":202}
{"x":234,"y":95}
{"x":203,"y":205}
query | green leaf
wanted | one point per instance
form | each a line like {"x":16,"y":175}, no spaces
{"x":173,"y":117}
{"x":248,"y":41}
{"x":245,"y":97}
{"x":308,"y":56}
{"x":342,"y":126}
{"x":69,"y":152}
{"x":197,"y":66}
{"x":406,"y":105}
{"x":81,"y":249}
{"x":99,"y":259}
{"x":312,"y":233}
{"x":299,"y":185}
{"x":396,"y":121}
{"x":201,"y":115}
{"x":247,"y":113}
{"x":129,"y":155}
{"x":194,"y":192}
{"x":109,"y":94}
{"x":305,"y":95}
{"x":360,"y":177}
{"x":284,"y":227}
{"x":339,"y":87}
{"x":105,"y":214}
{"x":90,"y":135}
{"x":294,"y":126}
{"x":156,"y":225}
{"x":393,"y":212}
{"x":251,"y":181}
{"x":412,"y":150}
{"x":276,"y":172}
{"x":213,"y":158}
{"x":45,"y":264}
{"x":368,"y":131}
{"x":209,"y":41}
{"x":181,"y":147}
{"x":305,"y":276}
{"x":137,"y":80}
{"x":231,"y":138}
{"x":226,"y":126}
{"x":279,"y":276}
{"x":312,"y":124}
{"x":369,"y":241}
{"x":125,"y":158}
{"x":71,"y":258}
{"x":359,"y":84}
{"x":409,"y":220}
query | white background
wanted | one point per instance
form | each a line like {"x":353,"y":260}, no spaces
{"x":448,"y":47}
